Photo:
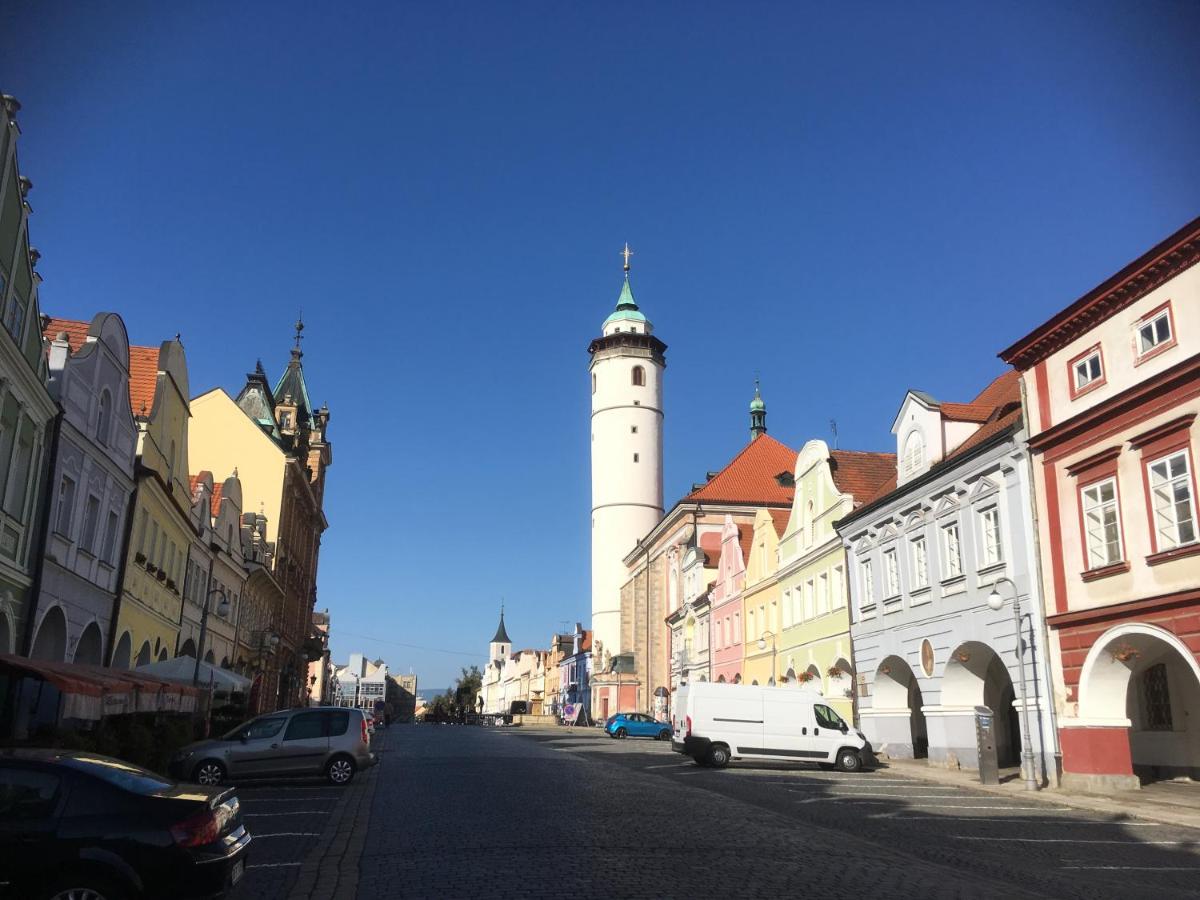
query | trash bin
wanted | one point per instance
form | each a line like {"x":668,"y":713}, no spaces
{"x":985,"y":741}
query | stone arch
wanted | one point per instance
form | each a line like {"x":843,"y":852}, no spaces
{"x":162,"y":655}
{"x":976,"y":676}
{"x":754,"y":682}
{"x":50,"y":643}
{"x":6,"y":632}
{"x":789,"y":677}
{"x":720,"y":679}
{"x":895,"y":689}
{"x":812,"y":677}
{"x":90,"y":648}
{"x":842,"y":683}
{"x":704,"y":678}
{"x":188,"y":648}
{"x":737,"y":679}
{"x":144,"y":656}
{"x":209,"y":657}
{"x":122,"y":652}
{"x":1146,"y":677}
{"x":224,"y":662}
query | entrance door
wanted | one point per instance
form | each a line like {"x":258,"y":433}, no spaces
{"x":916,"y":719}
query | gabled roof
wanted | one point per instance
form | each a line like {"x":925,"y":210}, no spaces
{"x":143,"y":379}
{"x":749,"y":479}
{"x":861,"y":473}
{"x":779,"y":517}
{"x":1002,"y":397}
{"x":215,"y":506}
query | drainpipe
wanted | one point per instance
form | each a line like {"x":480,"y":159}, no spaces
{"x":43,"y":526}
{"x":126,"y":538}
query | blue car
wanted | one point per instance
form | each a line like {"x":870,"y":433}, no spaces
{"x":624,"y":725}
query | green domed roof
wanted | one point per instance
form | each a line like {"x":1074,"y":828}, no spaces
{"x":757,"y":403}
{"x":627,"y":308}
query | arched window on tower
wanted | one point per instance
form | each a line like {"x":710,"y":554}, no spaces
{"x":593,"y":382}
{"x":639,"y":376}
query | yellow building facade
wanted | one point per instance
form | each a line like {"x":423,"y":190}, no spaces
{"x":814,"y":648}
{"x":147,"y":622}
{"x":760,"y":599}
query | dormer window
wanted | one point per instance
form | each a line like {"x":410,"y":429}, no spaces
{"x":285,"y":420}
{"x":1087,"y":371}
{"x":914,"y":454}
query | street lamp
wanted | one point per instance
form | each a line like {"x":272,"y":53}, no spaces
{"x":222,"y":611}
{"x":762,"y":645}
{"x":996,"y":603}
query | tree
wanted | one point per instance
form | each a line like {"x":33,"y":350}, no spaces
{"x":470,"y":683}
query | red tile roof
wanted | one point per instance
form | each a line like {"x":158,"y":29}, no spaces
{"x":861,"y":473}
{"x":143,"y":379}
{"x":216,"y":498}
{"x":780,"y":518}
{"x":746,"y":539}
{"x":76,"y":331}
{"x":749,"y":479}
{"x":585,"y":642}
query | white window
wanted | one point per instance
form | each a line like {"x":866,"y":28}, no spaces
{"x":920,"y":563}
{"x":750,"y":624}
{"x":989,"y":535}
{"x":809,"y":605}
{"x":66,"y":506}
{"x":737,"y":628}
{"x":1171,"y":497}
{"x":914,"y":454}
{"x":14,"y":317}
{"x":1102,"y":523}
{"x":788,"y":612}
{"x":891,"y":573}
{"x":838,"y":588}
{"x":110,"y":539}
{"x":823,"y":593}
{"x":950,"y":550}
{"x":1154,"y":331}
{"x":1087,"y":370}
{"x":868,"y":584}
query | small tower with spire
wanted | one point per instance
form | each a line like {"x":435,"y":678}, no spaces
{"x":758,"y":414}
{"x":500,"y":647}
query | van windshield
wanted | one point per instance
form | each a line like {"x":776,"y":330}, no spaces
{"x":827,"y":718}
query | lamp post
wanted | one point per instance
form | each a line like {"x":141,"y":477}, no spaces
{"x":222,"y":610}
{"x":996,"y":603}
{"x":762,"y":645}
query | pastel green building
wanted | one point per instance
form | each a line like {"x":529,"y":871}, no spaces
{"x":814,"y":642}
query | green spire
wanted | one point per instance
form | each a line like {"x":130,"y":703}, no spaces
{"x":757,"y":402}
{"x":626,"y":301}
{"x":627,"y":308}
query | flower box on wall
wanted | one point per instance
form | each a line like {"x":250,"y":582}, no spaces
{"x":161,"y":575}
{"x":140,"y":558}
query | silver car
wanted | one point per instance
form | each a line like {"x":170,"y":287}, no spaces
{"x":329,"y":741}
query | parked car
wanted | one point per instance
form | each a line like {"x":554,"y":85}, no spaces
{"x":717,"y":722}
{"x":624,"y":725}
{"x":330,"y":741}
{"x":80,"y":825}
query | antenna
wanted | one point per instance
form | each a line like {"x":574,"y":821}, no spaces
{"x":833,"y":428}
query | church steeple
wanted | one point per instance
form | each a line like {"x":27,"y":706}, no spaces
{"x":758,"y":414}
{"x":501,"y":633}
{"x":500,"y":646}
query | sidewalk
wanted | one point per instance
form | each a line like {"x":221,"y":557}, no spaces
{"x":1172,"y":803}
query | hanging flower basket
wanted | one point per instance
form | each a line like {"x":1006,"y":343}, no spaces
{"x":835,"y":672}
{"x":805,"y":677}
{"x":962,"y":656}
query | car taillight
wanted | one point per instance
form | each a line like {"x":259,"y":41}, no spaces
{"x":196,"y":831}
{"x":366,"y":738}
{"x":689,"y":727}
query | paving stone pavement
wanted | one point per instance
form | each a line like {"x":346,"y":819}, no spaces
{"x":456,"y":811}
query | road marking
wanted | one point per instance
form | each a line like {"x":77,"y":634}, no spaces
{"x":282,"y":799}
{"x":866,"y":800}
{"x":287,"y":834}
{"x":272,"y":865}
{"x":674,"y":765}
{"x":969,"y":837}
{"x":1038,"y":821}
{"x":299,"y":812}
{"x":1140,"y":868}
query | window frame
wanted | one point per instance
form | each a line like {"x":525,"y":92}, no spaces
{"x":1100,"y":380}
{"x":943,"y":528}
{"x":981,"y":517}
{"x":1094,"y":483}
{"x":1190,"y":477}
{"x":1163,"y":310}
{"x":891,"y":574}
{"x":920,"y":565}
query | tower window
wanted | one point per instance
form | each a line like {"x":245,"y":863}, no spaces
{"x":593,"y":382}
{"x":633,"y":429}
{"x":639,"y":376}
{"x":635,"y":457}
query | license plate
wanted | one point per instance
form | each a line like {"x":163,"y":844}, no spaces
{"x":239,"y":869}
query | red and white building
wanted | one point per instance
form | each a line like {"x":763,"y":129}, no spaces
{"x":1112,"y":393}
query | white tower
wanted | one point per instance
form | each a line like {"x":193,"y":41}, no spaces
{"x":627,"y":458}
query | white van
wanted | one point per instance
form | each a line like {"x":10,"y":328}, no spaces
{"x":715,"y":722}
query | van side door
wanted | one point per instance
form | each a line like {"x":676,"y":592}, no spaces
{"x":733,"y":720}
{"x":788,"y":727}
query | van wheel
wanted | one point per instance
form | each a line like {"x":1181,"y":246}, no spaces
{"x":339,"y":770}
{"x":718,"y":756}
{"x":848,"y":760}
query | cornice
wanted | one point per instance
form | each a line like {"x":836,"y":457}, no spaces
{"x":1169,"y":258}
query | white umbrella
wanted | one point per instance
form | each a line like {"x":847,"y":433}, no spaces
{"x":181,"y":668}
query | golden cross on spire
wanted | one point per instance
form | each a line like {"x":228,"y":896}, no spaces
{"x":627,"y":253}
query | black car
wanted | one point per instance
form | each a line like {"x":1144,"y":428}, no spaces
{"x":80,"y":826}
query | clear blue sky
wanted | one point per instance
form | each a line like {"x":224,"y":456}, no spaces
{"x":849,"y":202}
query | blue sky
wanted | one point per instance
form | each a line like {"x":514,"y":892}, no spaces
{"x":846,"y":202}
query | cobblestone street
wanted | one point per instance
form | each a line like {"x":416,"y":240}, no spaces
{"x":455,"y":811}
